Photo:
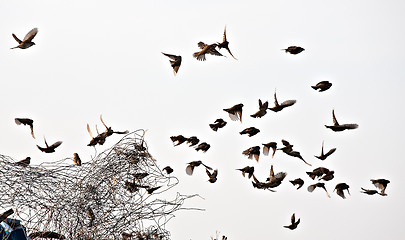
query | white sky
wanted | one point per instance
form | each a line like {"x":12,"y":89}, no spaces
{"x":104,"y":57}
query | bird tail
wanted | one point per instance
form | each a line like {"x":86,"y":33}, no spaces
{"x":314,"y":87}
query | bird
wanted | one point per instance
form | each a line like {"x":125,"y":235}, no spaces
{"x":151,"y":190}
{"x":47,"y":234}
{"x":297,"y":181}
{"x":219,"y":123}
{"x":287,"y":146}
{"x":262,"y":109}
{"x":108,"y":132}
{"x":318,"y":172}
{"x":297,"y":155}
{"x":225,"y":44}
{"x":206,"y":49}
{"x":27,"y":41}
{"x":293,"y":49}
{"x":328,"y":176}
{"x":336,"y":127}
{"x":175,"y":62}
{"x":250,"y":131}
{"x":26,"y":121}
{"x":177,"y":140}
{"x":95,"y":140}
{"x":273,"y":181}
{"x":247,"y":170}
{"x":212,"y":176}
{"x":203,"y":147}
{"x":267,"y":146}
{"x":192,"y":141}
{"x":49,"y":149}
{"x":370,"y":192}
{"x":321,"y":185}
{"x":339,"y":189}
{"x":278,"y":107}
{"x":25,"y":162}
{"x":235,"y":112}
{"x":191,"y":165}
{"x":322,"y":86}
{"x":324,"y":156}
{"x":168,"y":169}
{"x":380,"y":184}
{"x":252,"y":152}
{"x":288,"y":149}
{"x":294,"y":223}
{"x":76,"y":159}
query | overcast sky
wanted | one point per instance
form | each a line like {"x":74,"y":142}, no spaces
{"x":104,"y":57}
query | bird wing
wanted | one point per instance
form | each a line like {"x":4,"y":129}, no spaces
{"x":311,"y":187}
{"x":293,"y":218}
{"x":190,"y":169}
{"x":224,"y":38}
{"x":229,"y":50}
{"x":174,"y":57}
{"x":211,"y":50}
{"x":275,"y":100}
{"x":330,"y":152}
{"x":202,"y":45}
{"x":335,"y":122}
{"x":264,"y":106}
{"x":88,"y":129}
{"x":55,"y":145}
{"x":16,"y":38}
{"x":30,"y":35}
{"x":101,"y":118}
{"x":288,"y":103}
{"x":285,"y":142}
{"x":266,"y":150}
{"x":350,"y":126}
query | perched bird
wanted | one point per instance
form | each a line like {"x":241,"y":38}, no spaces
{"x":380,"y":184}
{"x":76,"y":159}
{"x":278,"y":107}
{"x":324,"y":156}
{"x":25,"y":162}
{"x":371,"y":192}
{"x":203,"y":147}
{"x":212,"y":176}
{"x":262,"y":109}
{"x":219,"y":123}
{"x":267,"y":146}
{"x":168,"y":169}
{"x":294,"y":50}
{"x":151,"y":190}
{"x":49,"y":149}
{"x":336,"y":127}
{"x":298,"y":182}
{"x":328,"y":176}
{"x":179,"y":139}
{"x":192,"y":141}
{"x":339,"y":189}
{"x":206,"y":49}
{"x":273,"y":181}
{"x":251,"y":131}
{"x":225,"y":44}
{"x":235,"y":112}
{"x":191,"y":165}
{"x":247,"y":170}
{"x":26,"y":121}
{"x":294,"y":223}
{"x":318,"y":172}
{"x":27,"y":41}
{"x":321,"y":185}
{"x":252,"y":152}
{"x":175,"y":62}
{"x":322,"y":86}
{"x":46,"y":234}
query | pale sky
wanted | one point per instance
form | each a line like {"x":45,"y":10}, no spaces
{"x":104,"y":57}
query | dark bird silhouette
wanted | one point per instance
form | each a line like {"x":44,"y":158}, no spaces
{"x":26,"y":121}
{"x":328,"y":176}
{"x":380,"y":184}
{"x":235,"y":112}
{"x":298,"y":182}
{"x":297,"y":155}
{"x":219,"y":123}
{"x":6,"y":214}
{"x":251,"y":131}
{"x":262,"y":109}
{"x":192,"y":141}
{"x":288,"y":149}
{"x":175,"y":62}
{"x":25,"y":162}
{"x":95,"y":140}
{"x":336,"y":127}
{"x":287,"y":146}
{"x":225,"y":44}
{"x":247,"y":170}
{"x":320,"y":185}
{"x":370,"y":192}
{"x":273,"y":181}
{"x":339,"y":189}
{"x":252,"y":152}
{"x":324,"y":156}
{"x":151,"y":190}
{"x":49,"y":149}
{"x":212,"y":176}
{"x":168,"y":169}
{"x":76,"y":159}
{"x":46,"y":234}
{"x":177,"y":140}
{"x":203,"y":147}
{"x":267,"y":146}
{"x":206,"y":49}
{"x":191,"y":165}
{"x":293,"y":50}
{"x":322,"y":86}
{"x":278,"y":107}
{"x":108,"y":132}
{"x":27,"y":41}
{"x":294,"y":223}
{"x":318,"y":172}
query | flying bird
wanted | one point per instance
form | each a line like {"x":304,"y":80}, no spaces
{"x":76,"y":159}
{"x":252,"y":152}
{"x":235,"y":112}
{"x":380,"y":184}
{"x":293,"y":49}
{"x":203,"y":147}
{"x":168,"y":169}
{"x":322,"y":86}
{"x":339,"y":189}
{"x":179,"y":139}
{"x":297,"y":181}
{"x":294,"y":223}
{"x":328,"y":176}
{"x":267,"y":146}
{"x":219,"y":123}
{"x":251,"y":131}
{"x":336,"y":127}
{"x":192,"y":141}
{"x":95,"y":140}
{"x":273,"y":181}
{"x":25,"y":162}
{"x":247,"y":170}
{"x":108,"y":132}
{"x":206,"y":49}
{"x":278,"y":107}
{"x":318,"y":172}
{"x":191,"y":165}
{"x":370,"y":192}
{"x":49,"y":149}
{"x":262,"y":109}
{"x":225,"y":44}
{"x":212,"y":176}
{"x":175,"y":62}
{"x":27,"y":41}
{"x":26,"y":121}
{"x":312,"y":187}
{"x":324,"y":156}
{"x":297,"y":155}
{"x":288,"y":149}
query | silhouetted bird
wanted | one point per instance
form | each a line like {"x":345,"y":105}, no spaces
{"x":262,"y":109}
{"x":298,"y":182}
{"x":320,"y":185}
{"x":225,"y":44}
{"x":318,"y":172}
{"x":212,"y":176}
{"x":203,"y":147}
{"x":324,"y":156}
{"x":287,"y":146}
{"x":297,"y":155}
{"x":49,"y":149}
{"x":322,"y":86}
{"x":175,"y":62}
{"x":267,"y":146}
{"x":177,"y":140}
{"x":370,"y":192}
{"x":168,"y":169}
{"x":273,"y":181}
{"x":294,"y":50}
{"x":278,"y":107}
{"x":25,"y":162}
{"x":247,"y":170}
{"x":252,"y":152}
{"x":108,"y":132}
{"x":191,"y":165}
{"x":219,"y":123}
{"x":206,"y":49}
{"x":235,"y":112}
{"x":95,"y":140}
{"x":294,"y":223}
{"x":192,"y":141}
{"x":26,"y":121}
{"x":336,"y":127}
{"x":76,"y":159}
{"x":47,"y":234}
{"x":339,"y":189}
{"x":251,"y":131}
{"x":380,"y":184}
{"x":328,"y":176}
{"x":27,"y":41}
{"x":151,"y":190}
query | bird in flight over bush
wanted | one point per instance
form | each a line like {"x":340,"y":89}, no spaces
{"x":49,"y":149}
{"x":27,"y":41}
